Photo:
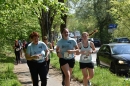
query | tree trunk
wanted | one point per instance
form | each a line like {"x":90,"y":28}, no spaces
{"x":63,"y":17}
{"x":46,"y":23}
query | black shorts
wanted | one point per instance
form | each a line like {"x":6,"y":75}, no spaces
{"x":71,"y":62}
{"x":84,"y":65}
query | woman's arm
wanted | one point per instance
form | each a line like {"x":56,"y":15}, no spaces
{"x":79,"y":46}
{"x":28,"y":57}
{"x":46,"y":54}
{"x":51,"y":48}
{"x":93,"y":47}
{"x":58,"y":52}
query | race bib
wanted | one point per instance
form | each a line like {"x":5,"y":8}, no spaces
{"x":85,"y":57}
{"x":40,"y":57}
{"x":66,"y":55}
{"x":17,"y":49}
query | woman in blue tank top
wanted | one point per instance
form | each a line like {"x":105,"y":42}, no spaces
{"x":66,"y":49}
{"x":85,"y":62}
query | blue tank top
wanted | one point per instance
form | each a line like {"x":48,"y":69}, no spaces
{"x":35,"y":49}
{"x":65,"y":45}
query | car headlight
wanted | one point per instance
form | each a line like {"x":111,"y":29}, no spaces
{"x":121,"y":62}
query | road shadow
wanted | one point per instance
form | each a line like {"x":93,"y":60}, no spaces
{"x":23,"y":60}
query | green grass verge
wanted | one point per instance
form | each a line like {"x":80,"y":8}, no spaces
{"x":7,"y":77}
{"x":102,"y":77}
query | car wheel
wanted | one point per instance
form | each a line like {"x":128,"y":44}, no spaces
{"x":97,"y":62}
{"x":113,"y":68}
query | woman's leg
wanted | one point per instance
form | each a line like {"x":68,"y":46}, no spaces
{"x":71,"y":65}
{"x":33,"y":67}
{"x":19,"y":61}
{"x":63,"y":77}
{"x":85,"y":76}
{"x":66,"y":71}
{"x":16,"y":55}
{"x":42,"y":69}
{"x":88,"y":74}
{"x":48,"y":64}
{"x":91,"y":73}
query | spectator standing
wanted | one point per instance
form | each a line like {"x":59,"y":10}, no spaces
{"x":66,"y":49}
{"x":49,"y":45}
{"x":86,"y":64}
{"x":37,"y":55}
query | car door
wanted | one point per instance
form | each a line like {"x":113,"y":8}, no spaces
{"x":104,"y":55}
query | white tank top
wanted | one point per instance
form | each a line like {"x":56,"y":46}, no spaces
{"x":85,"y":58}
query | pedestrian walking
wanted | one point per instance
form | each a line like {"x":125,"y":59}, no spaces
{"x":21,"y":47}
{"x":85,"y":62}
{"x":66,"y":49}
{"x":37,"y":55}
{"x":17,"y":51}
{"x":49,"y":45}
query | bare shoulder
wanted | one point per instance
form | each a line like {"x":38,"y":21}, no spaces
{"x":79,"y":44}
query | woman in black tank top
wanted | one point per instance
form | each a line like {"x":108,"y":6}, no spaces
{"x":17,"y":52}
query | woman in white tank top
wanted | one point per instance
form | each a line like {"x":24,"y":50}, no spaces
{"x":86,"y":64}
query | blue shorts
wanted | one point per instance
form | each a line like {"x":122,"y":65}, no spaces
{"x":71,"y":62}
{"x":86,"y":65}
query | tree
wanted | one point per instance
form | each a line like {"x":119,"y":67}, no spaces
{"x":46,"y":11}
{"x":121,"y":13}
{"x":95,"y":14}
{"x":16,"y":22}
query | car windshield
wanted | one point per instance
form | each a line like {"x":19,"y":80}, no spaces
{"x":124,"y":39}
{"x":121,"y":49}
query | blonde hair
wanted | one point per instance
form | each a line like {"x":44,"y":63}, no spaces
{"x":85,"y":33}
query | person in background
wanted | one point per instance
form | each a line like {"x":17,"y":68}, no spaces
{"x":21,"y":47}
{"x":53,"y":44}
{"x":49,"y":45}
{"x":66,"y":49}
{"x":24,"y":44}
{"x":17,"y":52}
{"x":37,"y":55}
{"x":85,"y":62}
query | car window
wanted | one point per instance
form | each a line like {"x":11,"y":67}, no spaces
{"x":121,"y":49}
{"x":121,"y":40}
{"x":105,"y":49}
{"x":124,"y":39}
{"x":115,"y":40}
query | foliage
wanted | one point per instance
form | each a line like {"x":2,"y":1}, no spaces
{"x":20,"y":17}
{"x":16,"y":22}
{"x":121,"y":13}
{"x":92,"y":15}
{"x":7,"y":77}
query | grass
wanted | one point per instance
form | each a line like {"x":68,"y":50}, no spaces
{"x":102,"y":76}
{"x":7,"y":77}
